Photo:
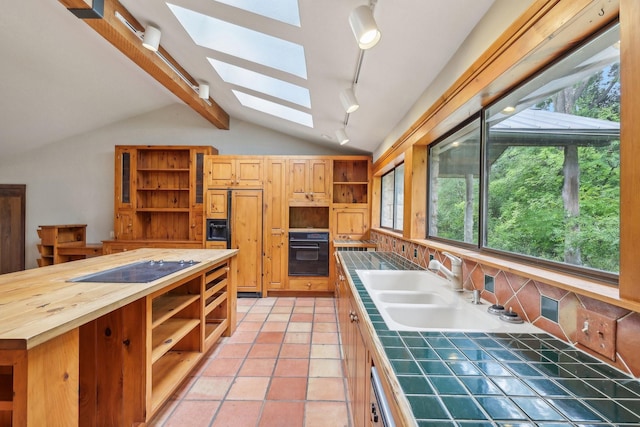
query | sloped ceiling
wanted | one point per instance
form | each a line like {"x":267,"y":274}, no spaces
{"x":60,"y":78}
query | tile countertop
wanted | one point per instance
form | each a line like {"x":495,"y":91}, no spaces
{"x":496,"y":379}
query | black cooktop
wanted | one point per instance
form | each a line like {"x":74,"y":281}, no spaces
{"x":138,"y":272}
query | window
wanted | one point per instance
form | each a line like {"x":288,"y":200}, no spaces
{"x":392,"y":199}
{"x":549,"y":186}
{"x":454,"y":178}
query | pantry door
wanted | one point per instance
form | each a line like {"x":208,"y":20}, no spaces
{"x":12,"y":227}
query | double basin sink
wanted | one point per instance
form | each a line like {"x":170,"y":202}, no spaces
{"x":419,"y":300}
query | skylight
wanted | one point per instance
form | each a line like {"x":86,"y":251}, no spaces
{"x":261,"y":83}
{"x":282,"y":10}
{"x":242,"y":42}
{"x":274,"y":109}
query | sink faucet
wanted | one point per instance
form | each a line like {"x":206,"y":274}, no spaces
{"x":454,"y":275}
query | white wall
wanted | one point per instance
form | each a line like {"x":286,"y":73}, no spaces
{"x":497,"y":19}
{"x":71,"y":181}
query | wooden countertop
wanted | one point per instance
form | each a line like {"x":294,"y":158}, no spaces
{"x":39,"y":304}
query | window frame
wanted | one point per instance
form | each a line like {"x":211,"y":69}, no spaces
{"x":395,"y":204}
{"x":481,"y":246}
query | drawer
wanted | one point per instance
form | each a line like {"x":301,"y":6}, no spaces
{"x":309,"y":283}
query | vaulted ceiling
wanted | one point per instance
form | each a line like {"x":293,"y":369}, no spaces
{"x":60,"y":77}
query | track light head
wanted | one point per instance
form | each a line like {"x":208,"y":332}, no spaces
{"x":151,"y":38}
{"x":364,"y":27}
{"x":349,"y":100}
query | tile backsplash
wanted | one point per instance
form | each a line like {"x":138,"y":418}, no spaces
{"x":552,"y":309}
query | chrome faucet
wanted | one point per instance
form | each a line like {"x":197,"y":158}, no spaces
{"x":454,"y":275}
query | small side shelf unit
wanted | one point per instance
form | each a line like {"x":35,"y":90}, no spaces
{"x":64,"y":243}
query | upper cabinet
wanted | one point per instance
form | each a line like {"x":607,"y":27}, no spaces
{"x":234,"y":172}
{"x":309,"y":181}
{"x":351,"y":180}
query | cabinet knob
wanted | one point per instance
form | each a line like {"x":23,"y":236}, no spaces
{"x":309,"y":285}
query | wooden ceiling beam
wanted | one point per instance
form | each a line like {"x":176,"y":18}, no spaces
{"x":101,"y":16}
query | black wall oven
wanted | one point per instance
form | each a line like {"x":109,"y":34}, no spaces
{"x":308,"y":253}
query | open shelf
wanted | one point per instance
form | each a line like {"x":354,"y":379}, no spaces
{"x":168,"y":334}
{"x":168,"y":305}
{"x":168,"y":372}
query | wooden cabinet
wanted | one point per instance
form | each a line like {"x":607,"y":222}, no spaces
{"x":351,"y":196}
{"x":64,"y":243}
{"x":313,"y":284}
{"x":216,"y":204}
{"x":234,"y":171}
{"x":309,"y":181}
{"x":356,"y":358}
{"x":275,"y":225}
{"x":246,"y":235}
{"x":159,"y":193}
{"x":178,"y":334}
{"x":350,"y":222}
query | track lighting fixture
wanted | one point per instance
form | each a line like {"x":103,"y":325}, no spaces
{"x":151,"y":38}
{"x":203,"y":91}
{"x":364,"y":27}
{"x":342,"y":137}
{"x":349,"y":100}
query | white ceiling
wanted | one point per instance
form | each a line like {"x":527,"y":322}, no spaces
{"x":60,"y":78}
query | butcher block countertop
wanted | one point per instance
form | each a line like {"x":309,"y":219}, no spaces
{"x":40,"y":304}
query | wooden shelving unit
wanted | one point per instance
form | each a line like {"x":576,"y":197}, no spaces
{"x":64,"y":243}
{"x":351,"y":196}
{"x":159,"y":196}
{"x":184,"y":322}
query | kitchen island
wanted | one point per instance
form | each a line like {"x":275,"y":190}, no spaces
{"x":108,"y":353}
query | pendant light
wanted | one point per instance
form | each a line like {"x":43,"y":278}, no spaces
{"x":364,"y":27}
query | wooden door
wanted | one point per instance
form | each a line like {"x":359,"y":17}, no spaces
{"x":276,"y":249}
{"x":246,"y":235}
{"x":350,"y":223}
{"x":298,"y":180}
{"x":320,"y":180}
{"x":12,"y":227}
{"x":219,"y":171}
{"x":216,"y":204}
{"x":248,"y":172}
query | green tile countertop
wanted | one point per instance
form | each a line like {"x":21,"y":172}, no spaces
{"x":476,"y":379}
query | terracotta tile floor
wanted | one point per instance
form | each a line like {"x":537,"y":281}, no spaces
{"x":280,"y":368}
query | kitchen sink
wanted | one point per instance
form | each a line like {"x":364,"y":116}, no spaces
{"x":442,"y":318}
{"x":420,"y":300}
{"x":401,"y":280}
{"x":415,"y":297}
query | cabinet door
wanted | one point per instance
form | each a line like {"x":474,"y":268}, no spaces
{"x":248,"y":172}
{"x":350,"y":223}
{"x":123,"y":225}
{"x":125,"y":166}
{"x":320,"y":180}
{"x":276,"y":254}
{"x":219,"y":171}
{"x":216,"y":204}
{"x":197,"y":225}
{"x":246,"y":235}
{"x":298,"y":179}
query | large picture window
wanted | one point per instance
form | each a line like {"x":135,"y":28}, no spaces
{"x":549,"y":185}
{"x":392,"y":198}
{"x":454,"y":179}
